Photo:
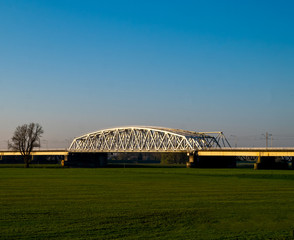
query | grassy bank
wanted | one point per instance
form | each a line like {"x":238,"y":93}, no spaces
{"x":146,"y":203}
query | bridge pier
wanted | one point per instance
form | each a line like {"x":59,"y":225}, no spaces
{"x":191,"y":161}
{"x":65,"y":159}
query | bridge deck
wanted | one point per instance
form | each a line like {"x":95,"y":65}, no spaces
{"x":238,"y":152}
{"x":54,"y":152}
{"x":248,"y":152}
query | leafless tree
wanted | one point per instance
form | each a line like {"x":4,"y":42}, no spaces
{"x":25,"y":138}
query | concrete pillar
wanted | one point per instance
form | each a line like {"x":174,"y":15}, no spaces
{"x":191,"y":161}
{"x":64,"y":160}
{"x":257,"y":164}
{"x":191,"y":158}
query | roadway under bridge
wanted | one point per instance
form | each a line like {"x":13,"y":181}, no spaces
{"x":208,"y":149}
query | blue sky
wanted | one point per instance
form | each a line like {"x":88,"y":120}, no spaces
{"x":80,"y":66}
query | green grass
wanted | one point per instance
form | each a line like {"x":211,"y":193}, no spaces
{"x":146,"y":203}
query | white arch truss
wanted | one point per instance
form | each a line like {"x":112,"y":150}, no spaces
{"x":147,"y":139}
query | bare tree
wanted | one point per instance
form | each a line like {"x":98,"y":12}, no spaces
{"x":25,"y":138}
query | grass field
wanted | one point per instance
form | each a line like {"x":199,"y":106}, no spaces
{"x":146,"y":203}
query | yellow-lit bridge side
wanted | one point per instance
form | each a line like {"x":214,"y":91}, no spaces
{"x":248,"y":152}
{"x":36,"y":153}
{"x":230,"y":152}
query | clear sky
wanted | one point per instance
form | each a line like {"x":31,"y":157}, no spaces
{"x":80,"y":66}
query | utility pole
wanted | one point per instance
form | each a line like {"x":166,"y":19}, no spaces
{"x":267,"y":135}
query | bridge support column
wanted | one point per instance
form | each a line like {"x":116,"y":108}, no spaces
{"x":257,"y":164}
{"x":65,"y":159}
{"x":191,"y":161}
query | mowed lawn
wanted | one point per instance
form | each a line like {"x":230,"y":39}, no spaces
{"x":146,"y":203}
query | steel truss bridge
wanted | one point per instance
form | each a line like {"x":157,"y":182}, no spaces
{"x":147,"y":139}
{"x":158,"y":139}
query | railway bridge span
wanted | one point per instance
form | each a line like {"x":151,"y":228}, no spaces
{"x":147,"y":139}
{"x":208,"y":149}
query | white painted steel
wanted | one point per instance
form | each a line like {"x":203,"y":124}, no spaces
{"x":146,"y":139}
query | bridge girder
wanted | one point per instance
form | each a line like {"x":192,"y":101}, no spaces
{"x":146,"y":139}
